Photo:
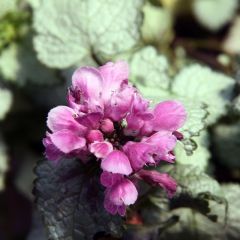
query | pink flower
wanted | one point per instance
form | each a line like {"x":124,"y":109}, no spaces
{"x":107,"y":126}
{"x":138,"y":115}
{"x":108,"y":118}
{"x":101,"y":149}
{"x":168,"y":116}
{"x":104,"y":90}
{"x":161,"y":179}
{"x":51,"y":151}
{"x":151,"y":150}
{"x":120,"y":192}
{"x":67,"y":133}
{"x":139,"y":154}
{"x":117,"y":162}
{"x":163,"y":143}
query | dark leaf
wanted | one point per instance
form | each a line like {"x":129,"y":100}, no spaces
{"x":70,"y":199}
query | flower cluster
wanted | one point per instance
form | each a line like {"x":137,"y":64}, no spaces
{"x":107,"y":117}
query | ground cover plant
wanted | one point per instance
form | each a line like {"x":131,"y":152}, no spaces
{"x":119,"y":119}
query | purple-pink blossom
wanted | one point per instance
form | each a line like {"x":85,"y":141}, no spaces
{"x":108,"y":118}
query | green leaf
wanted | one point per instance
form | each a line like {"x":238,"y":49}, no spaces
{"x":193,"y":181}
{"x":195,"y":190}
{"x":201,"y":155}
{"x":70,"y":199}
{"x":3,"y":164}
{"x":192,"y":225}
{"x":148,"y":69}
{"x":214,"y":14}
{"x":232,"y":194}
{"x":226,"y":140}
{"x":231,"y":43}
{"x":5,"y":102}
{"x":7,"y":6}
{"x":236,"y":105}
{"x":13,"y":27}
{"x":199,"y":191}
{"x":34,"y":3}
{"x":195,"y":123}
{"x":157,"y":23}
{"x":70,"y":30}
{"x":197,"y":211}
{"x":201,"y":84}
{"x":196,"y":117}
{"x":18,"y":64}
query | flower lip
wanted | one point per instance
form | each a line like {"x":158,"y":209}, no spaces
{"x":101,"y":149}
{"x":117,"y":162}
{"x":161,"y":179}
{"x":66,"y":141}
{"x":120,"y":194}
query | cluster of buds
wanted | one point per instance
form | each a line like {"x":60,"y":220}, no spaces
{"x":107,"y":117}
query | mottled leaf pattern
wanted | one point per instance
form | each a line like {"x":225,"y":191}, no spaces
{"x":72,"y":29}
{"x":70,"y":200}
{"x":201,"y":84}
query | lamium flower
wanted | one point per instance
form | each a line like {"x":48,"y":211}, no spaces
{"x":108,"y":118}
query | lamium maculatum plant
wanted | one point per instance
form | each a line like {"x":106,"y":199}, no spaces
{"x":109,"y":119}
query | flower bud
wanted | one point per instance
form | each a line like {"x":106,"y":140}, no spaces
{"x":107,"y":126}
{"x":94,"y":136}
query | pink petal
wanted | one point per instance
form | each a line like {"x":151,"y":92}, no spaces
{"x":66,"y":141}
{"x":90,"y":120}
{"x":109,"y":206}
{"x":168,"y":183}
{"x":139,"y":154}
{"x":162,"y":179}
{"x":101,"y":149}
{"x":73,"y":100}
{"x":108,"y":179}
{"x":119,"y":105}
{"x":129,"y":192}
{"x":140,"y":105}
{"x":113,"y":76}
{"x":169,"y":115}
{"x":51,"y":152}
{"x":164,"y":143}
{"x":87,"y":89}
{"x":107,"y":126}
{"x":114,"y":209}
{"x":121,"y":210}
{"x":89,"y":81}
{"x":123,"y":192}
{"x":138,"y":115}
{"x":95,"y":136}
{"x":116,"y":162}
{"x":134,"y":124}
{"x":63,"y":117}
{"x":147,"y":128}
